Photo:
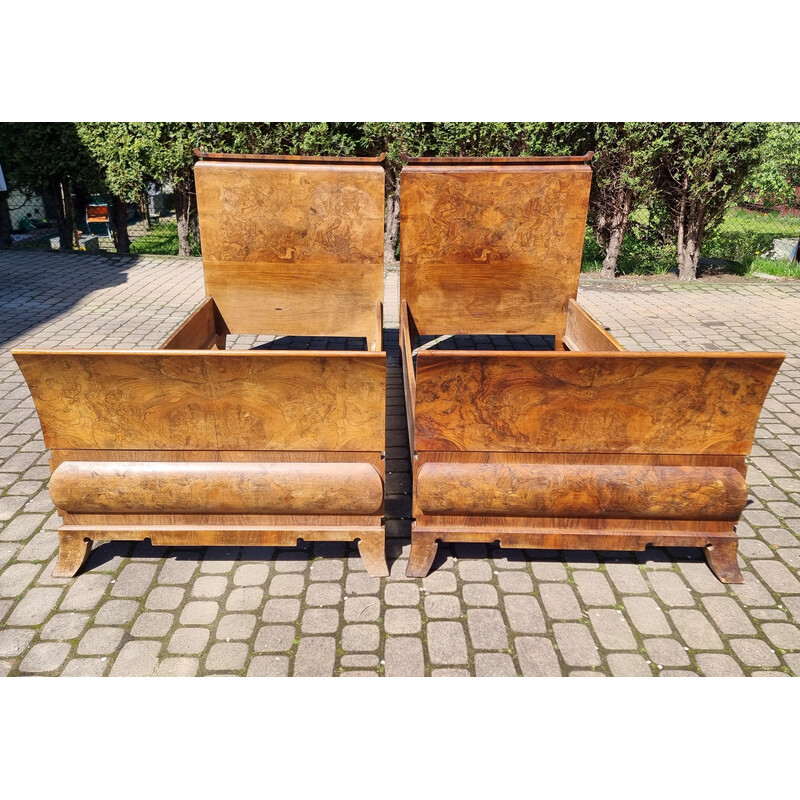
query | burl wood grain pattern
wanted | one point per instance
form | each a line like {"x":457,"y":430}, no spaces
{"x":197,"y":487}
{"x":293,"y":246}
{"x":617,"y":402}
{"x":216,"y":400}
{"x":579,"y":490}
{"x":492,"y":246}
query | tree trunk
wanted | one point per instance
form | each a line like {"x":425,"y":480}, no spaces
{"x":392,"y":233}
{"x":182,"y":200}
{"x":120,"y":217}
{"x":691,"y":228}
{"x":617,"y":227}
{"x":5,"y":222}
{"x":65,"y":217}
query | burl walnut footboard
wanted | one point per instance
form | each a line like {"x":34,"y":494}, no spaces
{"x":193,"y":445}
{"x":583,"y":447}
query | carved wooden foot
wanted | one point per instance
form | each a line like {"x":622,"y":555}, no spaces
{"x":423,"y":551}
{"x":73,"y":550}
{"x":373,"y":552}
{"x":721,"y":559}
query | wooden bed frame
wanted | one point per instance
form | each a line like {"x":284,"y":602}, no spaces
{"x":194,"y":445}
{"x":584,"y":447}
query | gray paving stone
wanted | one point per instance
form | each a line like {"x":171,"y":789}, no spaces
{"x":360,"y":638}
{"x":515,"y":582}
{"x":718,"y":665}
{"x":752,"y":592}
{"x":494,"y":665}
{"x":509,"y":559}
{"x":13,"y":641}
{"x":548,"y":570}
{"x":487,"y":629}
{"x":360,"y":660}
{"x":152,"y":625}
{"x":100,"y":641}
{"x":678,"y":673}
{"x":286,"y":585}
{"x":326,"y":569}
{"x":189,"y":642}
{"x":35,"y":606}
{"x":227,"y":656}
{"x":247,"y":598}
{"x":728,"y":615}
{"x":178,"y":571}
{"x":236,"y":626}
{"x":86,"y":592}
{"x":164,"y":598}
{"x":442,"y":606}
{"x":754,"y":653}
{"x":116,"y":612}
{"x":594,"y":588}
{"x":671,"y":589}
{"x":22,"y":526}
{"x":766,"y":673}
{"x":628,"y":665}
{"x":576,"y":644}
{"x":219,"y":560}
{"x":646,"y":616}
{"x":628,"y":578}
{"x":68,"y":625}
{"x":793,"y":662}
{"x":320,"y":620}
{"x":199,"y":612}
{"x":292,"y":561}
{"x":587,"y":673}
{"x":524,"y":614}
{"x":612,"y":629}
{"x":324,"y":594}
{"x":404,"y":657}
{"x":792,"y":605}
{"x":361,"y":583}
{"x":44,"y":657}
{"x":8,"y":507}
{"x":446,"y":643}
{"x":777,"y":576}
{"x":666,"y":652}
{"x":450,"y":673}
{"x":782,"y":634}
{"x":362,"y":609}
{"x":701,"y":578}
{"x":275,"y":639}
{"x":481,"y":594}
{"x":134,"y":581}
{"x":402,"y":621}
{"x":179,"y":667}
{"x":401,"y":594}
{"x":268,"y":667}
{"x":695,"y":629}
{"x":440,"y":582}
{"x":16,"y":578}
{"x":85,"y":668}
{"x":282,"y":610}
{"x":315,"y":657}
{"x":474,"y":570}
{"x":559,"y":601}
{"x":251,"y":575}
{"x":210,"y":586}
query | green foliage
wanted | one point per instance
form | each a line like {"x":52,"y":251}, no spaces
{"x":784,"y":269}
{"x":743,"y":235}
{"x":777,"y":172}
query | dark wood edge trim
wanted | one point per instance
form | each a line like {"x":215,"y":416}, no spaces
{"x":624,"y":354}
{"x":577,"y":311}
{"x":510,"y":160}
{"x":407,"y":336}
{"x":276,"y":159}
{"x":210,"y":353}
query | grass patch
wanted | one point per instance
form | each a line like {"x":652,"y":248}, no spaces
{"x":161,"y":240}
{"x":784,"y":269}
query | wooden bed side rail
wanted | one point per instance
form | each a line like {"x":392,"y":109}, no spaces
{"x":293,"y":247}
{"x":217,"y":400}
{"x":203,"y":329}
{"x":408,"y":333}
{"x":585,"y":333}
{"x":614,"y":402}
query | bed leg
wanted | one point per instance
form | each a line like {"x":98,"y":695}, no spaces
{"x":721,"y":559}
{"x":73,"y":550}
{"x":423,"y":551}
{"x":373,"y":553}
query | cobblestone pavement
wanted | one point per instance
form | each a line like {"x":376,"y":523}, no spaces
{"x":313,"y":610}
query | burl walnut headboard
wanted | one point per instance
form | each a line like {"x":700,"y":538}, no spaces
{"x":293,"y":245}
{"x":492,"y":245}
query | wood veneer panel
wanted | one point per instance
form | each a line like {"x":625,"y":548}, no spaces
{"x":213,"y":488}
{"x":215,"y":400}
{"x":584,"y":333}
{"x":574,"y":402}
{"x":550,"y":490}
{"x":492,"y":247}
